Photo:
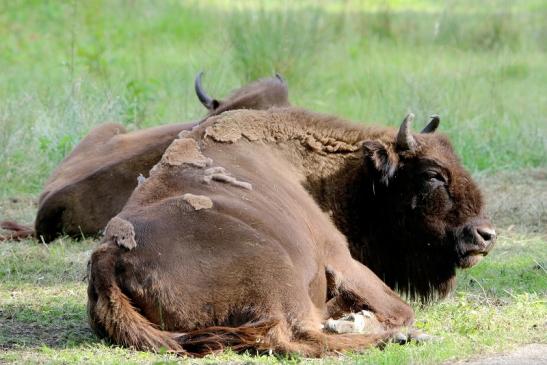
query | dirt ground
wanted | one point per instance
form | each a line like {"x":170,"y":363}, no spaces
{"x":533,"y":354}
{"x":516,"y":199}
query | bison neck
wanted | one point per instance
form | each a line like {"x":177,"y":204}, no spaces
{"x":375,"y":233}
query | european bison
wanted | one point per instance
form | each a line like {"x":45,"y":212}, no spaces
{"x":93,"y":183}
{"x":242,"y":235}
{"x":412,"y":214}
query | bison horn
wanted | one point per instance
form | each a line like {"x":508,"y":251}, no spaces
{"x":432,"y":125}
{"x":280,"y":78}
{"x":205,"y":99}
{"x":405,"y":141}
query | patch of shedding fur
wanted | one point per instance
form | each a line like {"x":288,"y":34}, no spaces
{"x":243,"y":184}
{"x":223,"y":178}
{"x":182,"y":151}
{"x":230,"y":131}
{"x":184,"y":134}
{"x":215,"y":170}
{"x":232,"y":180}
{"x":219,"y":174}
{"x":198,"y":202}
{"x":121,"y":232}
{"x":227,"y":132}
{"x":230,"y":127}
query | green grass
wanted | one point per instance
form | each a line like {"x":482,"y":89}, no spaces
{"x":68,"y":66}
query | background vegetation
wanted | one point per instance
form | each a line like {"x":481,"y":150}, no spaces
{"x":67,"y":66}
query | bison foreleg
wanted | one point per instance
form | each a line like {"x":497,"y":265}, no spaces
{"x":353,"y":288}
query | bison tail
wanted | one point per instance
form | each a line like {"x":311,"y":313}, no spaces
{"x":111,"y":313}
{"x":17,"y":232}
{"x":113,"y":316}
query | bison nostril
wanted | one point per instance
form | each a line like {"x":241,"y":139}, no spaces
{"x":487,"y":234}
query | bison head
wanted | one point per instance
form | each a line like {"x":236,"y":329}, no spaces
{"x":425,"y":215}
{"x":259,"y":95}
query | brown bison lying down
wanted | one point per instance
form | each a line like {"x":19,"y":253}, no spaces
{"x":242,"y":235}
{"x":93,"y":183}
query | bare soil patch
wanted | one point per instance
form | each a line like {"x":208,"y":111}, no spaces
{"x":533,"y":354}
{"x":517,"y":199}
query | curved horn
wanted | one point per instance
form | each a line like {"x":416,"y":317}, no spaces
{"x":405,"y":141}
{"x":433,"y":124}
{"x":280,"y":78}
{"x":205,"y":99}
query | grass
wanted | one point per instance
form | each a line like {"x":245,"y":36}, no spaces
{"x":68,"y":66}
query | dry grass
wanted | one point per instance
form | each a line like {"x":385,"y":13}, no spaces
{"x":517,"y":199}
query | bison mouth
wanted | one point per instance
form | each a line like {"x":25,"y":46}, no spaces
{"x":475,"y":243}
{"x":471,"y":258}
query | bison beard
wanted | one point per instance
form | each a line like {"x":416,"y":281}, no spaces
{"x":264,"y":267}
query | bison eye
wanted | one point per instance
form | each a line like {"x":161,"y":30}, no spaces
{"x":434,"y":177}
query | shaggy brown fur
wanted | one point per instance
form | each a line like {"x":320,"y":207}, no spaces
{"x":264,"y":267}
{"x":93,"y":183}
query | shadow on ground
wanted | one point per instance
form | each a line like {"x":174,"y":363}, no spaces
{"x":58,"y":333}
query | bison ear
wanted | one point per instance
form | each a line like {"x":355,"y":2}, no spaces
{"x":433,"y":124}
{"x":381,"y":159}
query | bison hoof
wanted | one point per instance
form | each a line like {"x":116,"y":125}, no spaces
{"x":364,"y":322}
{"x":400,"y":338}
